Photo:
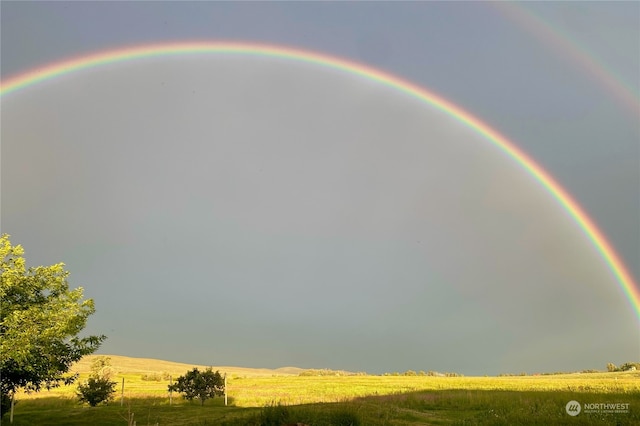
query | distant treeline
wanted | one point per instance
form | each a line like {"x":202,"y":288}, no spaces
{"x":422,"y":373}
{"x":628,"y":366}
{"x":156,"y":377}
{"x":328,"y":372}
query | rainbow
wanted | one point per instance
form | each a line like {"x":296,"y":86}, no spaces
{"x":603,"y":247}
{"x":570,"y":49}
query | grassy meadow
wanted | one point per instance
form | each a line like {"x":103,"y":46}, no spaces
{"x":277,"y":397}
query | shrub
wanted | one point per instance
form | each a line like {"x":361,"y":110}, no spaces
{"x":629,"y":366}
{"x":199,"y":384}
{"x":155,"y":377}
{"x":96,"y":390}
{"x":99,"y":387}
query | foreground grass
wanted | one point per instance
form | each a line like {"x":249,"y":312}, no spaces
{"x":364,"y":400}
{"x":461,"y":407}
{"x":146,"y":411}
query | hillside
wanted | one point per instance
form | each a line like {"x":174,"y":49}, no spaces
{"x":130,"y":365}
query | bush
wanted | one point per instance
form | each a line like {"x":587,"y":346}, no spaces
{"x":630,"y":366}
{"x":96,"y":390}
{"x":627,"y":366}
{"x":155,"y":377}
{"x":199,"y":384}
{"x":99,"y":387}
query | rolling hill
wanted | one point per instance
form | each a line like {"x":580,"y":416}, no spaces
{"x":131,"y":365}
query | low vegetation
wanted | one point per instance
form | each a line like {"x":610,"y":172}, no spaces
{"x":98,"y":388}
{"x":628,"y":366}
{"x":258,"y":399}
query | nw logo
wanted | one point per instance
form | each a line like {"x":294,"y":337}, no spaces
{"x":573,"y":408}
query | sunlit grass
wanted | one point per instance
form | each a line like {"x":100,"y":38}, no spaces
{"x":316,"y":400}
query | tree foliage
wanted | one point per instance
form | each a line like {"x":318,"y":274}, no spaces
{"x":40,"y":319}
{"x":199,"y":384}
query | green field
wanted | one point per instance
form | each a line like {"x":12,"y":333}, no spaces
{"x":275,"y":397}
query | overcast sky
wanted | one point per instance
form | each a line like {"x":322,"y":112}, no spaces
{"x":263,"y":212}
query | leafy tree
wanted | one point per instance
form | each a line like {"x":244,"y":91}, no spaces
{"x":40,"y":319}
{"x":98,"y":388}
{"x":199,"y":384}
{"x":611,"y":367}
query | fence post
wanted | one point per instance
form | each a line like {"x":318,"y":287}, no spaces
{"x":122,"y":394}
{"x":225,"y":389}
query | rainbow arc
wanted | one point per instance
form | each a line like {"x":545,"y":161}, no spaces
{"x":594,"y":235}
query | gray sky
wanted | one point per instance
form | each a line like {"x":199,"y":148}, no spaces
{"x":261,"y":212}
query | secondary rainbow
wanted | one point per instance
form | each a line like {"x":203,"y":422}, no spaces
{"x":604,"y":248}
{"x":568,"y":48}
